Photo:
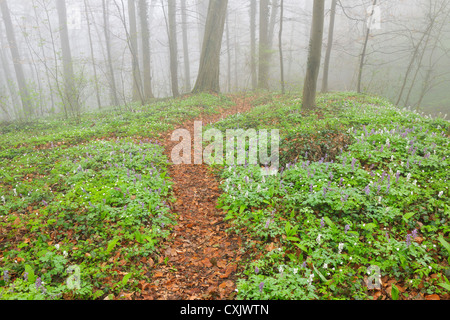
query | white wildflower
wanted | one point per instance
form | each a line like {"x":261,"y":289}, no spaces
{"x":340,"y":247}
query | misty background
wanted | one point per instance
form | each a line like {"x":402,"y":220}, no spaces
{"x":407,"y":56}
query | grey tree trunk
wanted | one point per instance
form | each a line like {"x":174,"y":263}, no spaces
{"x":146,"y":64}
{"x":173,"y":47}
{"x":264,"y":49}
{"x":71,"y":95}
{"x":114,"y":99}
{"x":137,"y":83}
{"x":12,"y":43}
{"x":91,"y":47}
{"x":209,"y":69}
{"x":363,"y":54}
{"x":253,"y":68}
{"x":187,"y":67}
{"x":326,"y":66}
{"x":280,"y":46}
{"x":315,"y":49}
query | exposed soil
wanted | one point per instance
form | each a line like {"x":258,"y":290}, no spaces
{"x":199,"y":259}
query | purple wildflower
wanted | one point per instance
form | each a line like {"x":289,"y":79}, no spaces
{"x":261,"y":286}
{"x":408,"y":240}
{"x":322,"y":223}
{"x":347,"y":227}
{"x":397,"y":176}
{"x":38,"y":283}
{"x":414,"y":233}
{"x":5,"y":276}
{"x":25,"y":276}
{"x":256,"y":270}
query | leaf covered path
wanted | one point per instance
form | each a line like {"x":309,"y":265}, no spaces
{"x":199,"y":259}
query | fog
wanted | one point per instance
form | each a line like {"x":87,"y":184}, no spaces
{"x":406,"y":58}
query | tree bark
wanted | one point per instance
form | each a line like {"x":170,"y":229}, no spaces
{"x":24,"y":94}
{"x":280,"y":46}
{"x":264,"y":50}
{"x":114,"y":99}
{"x":146,"y":65}
{"x":209,"y":69}
{"x":326,"y":66}
{"x":91,"y":47}
{"x":69,"y":77}
{"x":137,"y":82}
{"x":253,"y":44}
{"x":173,"y":47}
{"x":363,"y":54}
{"x":187,"y":67}
{"x":314,"y":55}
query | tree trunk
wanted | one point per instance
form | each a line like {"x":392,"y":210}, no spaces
{"x":173,"y":47}
{"x":114,"y":99}
{"x":187,"y":67}
{"x":24,"y":94}
{"x":363,"y":54}
{"x":137,"y":83}
{"x":315,"y":49}
{"x":280,"y":46}
{"x":145,"y":36}
{"x":264,"y":50}
{"x":209,"y":69}
{"x":253,"y":44}
{"x":228,"y":54}
{"x":97,"y":90}
{"x":69,"y":77}
{"x":326,"y":66}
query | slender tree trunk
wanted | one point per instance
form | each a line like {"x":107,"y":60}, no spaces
{"x":228,"y":54}
{"x":91,"y":47}
{"x":24,"y":94}
{"x":173,"y":47}
{"x":363,"y":54}
{"x":137,"y":83}
{"x":69,"y":77}
{"x":315,"y":49}
{"x":280,"y":46}
{"x":145,"y":36}
{"x":209,"y":69}
{"x":114,"y":99}
{"x":264,"y":50}
{"x":326,"y":66}
{"x":253,"y":44}
{"x":272,"y":22}
{"x":187,"y":67}
{"x":44,"y":57}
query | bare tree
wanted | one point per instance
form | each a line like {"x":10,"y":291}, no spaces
{"x":112,"y":80}
{"x":363,"y":54}
{"x":91,"y":47}
{"x":326,"y":66}
{"x":137,"y":83}
{"x":173,"y":47}
{"x":280,"y":46}
{"x":209,"y":69}
{"x":24,"y":94}
{"x":264,"y":49}
{"x":145,"y":36}
{"x":71,"y":95}
{"x":187,"y":67}
{"x":315,"y":49}
{"x":253,"y":44}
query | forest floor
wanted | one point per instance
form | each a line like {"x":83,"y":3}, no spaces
{"x":199,"y":258}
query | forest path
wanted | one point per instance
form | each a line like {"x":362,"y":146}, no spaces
{"x":199,"y":259}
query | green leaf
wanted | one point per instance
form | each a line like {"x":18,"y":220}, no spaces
{"x":301,"y":247}
{"x":111,"y":245}
{"x":126,"y":278}
{"x":328,"y":221}
{"x":30,"y":271}
{"x":395,"y":292}
{"x":445,"y":286}
{"x":408,"y":215}
{"x":444,"y":243}
{"x":97,"y":294}
{"x":293,"y":239}
{"x":320,"y":274}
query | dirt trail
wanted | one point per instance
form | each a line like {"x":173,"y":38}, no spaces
{"x":201,"y":258}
